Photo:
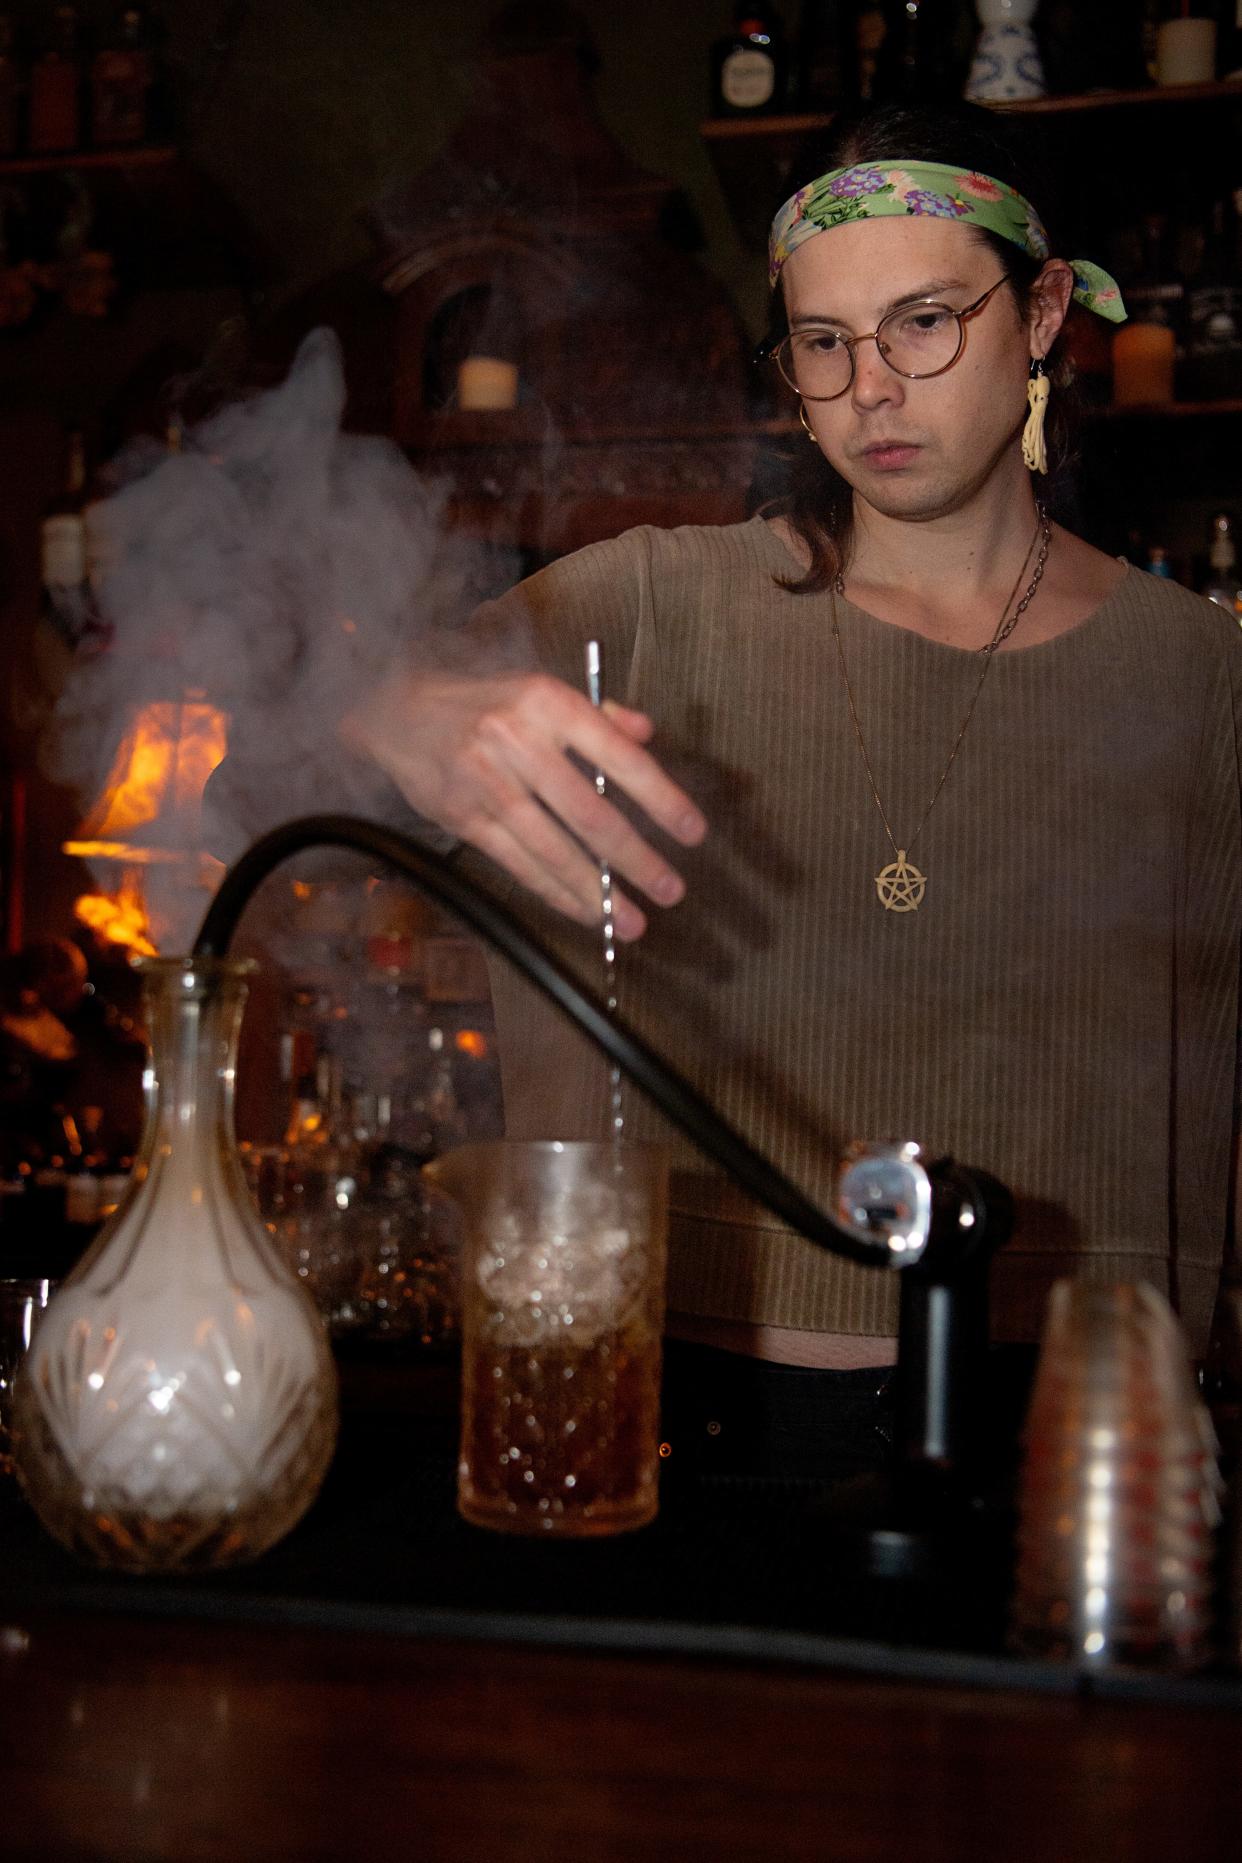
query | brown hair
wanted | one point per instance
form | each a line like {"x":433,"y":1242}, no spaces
{"x":816,"y":500}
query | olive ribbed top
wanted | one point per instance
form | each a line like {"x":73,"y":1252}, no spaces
{"x":1062,"y":1010}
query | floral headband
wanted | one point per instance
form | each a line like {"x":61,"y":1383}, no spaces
{"x":868,"y":191}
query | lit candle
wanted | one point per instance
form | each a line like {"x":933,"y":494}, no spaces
{"x":1143,"y":356}
{"x":486,"y":382}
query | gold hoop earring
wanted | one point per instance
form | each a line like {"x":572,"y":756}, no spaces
{"x":810,"y":432}
{"x":1034,"y":449}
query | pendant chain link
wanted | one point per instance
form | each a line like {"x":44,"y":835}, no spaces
{"x":908,"y":879}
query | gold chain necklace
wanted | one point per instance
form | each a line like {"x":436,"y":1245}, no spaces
{"x":900,"y":885}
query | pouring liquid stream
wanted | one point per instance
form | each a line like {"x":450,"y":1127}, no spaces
{"x":616,"y":1112}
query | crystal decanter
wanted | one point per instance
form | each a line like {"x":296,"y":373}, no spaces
{"x":178,"y":1406}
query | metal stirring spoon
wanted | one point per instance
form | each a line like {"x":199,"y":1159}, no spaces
{"x":594,"y":684}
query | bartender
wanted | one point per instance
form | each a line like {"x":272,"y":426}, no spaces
{"x":923,"y":814}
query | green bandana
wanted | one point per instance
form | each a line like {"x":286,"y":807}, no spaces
{"x":870,"y":190}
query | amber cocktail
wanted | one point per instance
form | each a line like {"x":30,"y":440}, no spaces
{"x":561,"y":1327}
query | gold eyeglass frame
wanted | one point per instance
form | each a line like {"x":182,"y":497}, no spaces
{"x":776,"y":352}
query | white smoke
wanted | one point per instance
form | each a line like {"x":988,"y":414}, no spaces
{"x":279,"y":568}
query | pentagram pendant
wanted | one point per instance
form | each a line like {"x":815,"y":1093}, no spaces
{"x":900,"y":885}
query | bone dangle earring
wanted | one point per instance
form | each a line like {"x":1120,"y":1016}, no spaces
{"x":1034,"y":450}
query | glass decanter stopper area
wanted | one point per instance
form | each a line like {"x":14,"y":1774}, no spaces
{"x":178,"y":1407}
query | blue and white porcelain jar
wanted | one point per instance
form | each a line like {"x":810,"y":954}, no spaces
{"x":1007,"y":65}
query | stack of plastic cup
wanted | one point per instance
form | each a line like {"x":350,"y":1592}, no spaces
{"x":1225,"y":1358}
{"x":1120,"y":1489}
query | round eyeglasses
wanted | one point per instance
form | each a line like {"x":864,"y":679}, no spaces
{"x":916,"y":340}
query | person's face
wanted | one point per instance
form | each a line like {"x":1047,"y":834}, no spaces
{"x":914,"y":449}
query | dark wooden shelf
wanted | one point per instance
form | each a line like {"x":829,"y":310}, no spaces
{"x":809,"y":123}
{"x":1221,"y":90}
{"x":763,"y":128}
{"x":1172,"y":410}
{"x":755,"y":157}
{"x":147,"y":157}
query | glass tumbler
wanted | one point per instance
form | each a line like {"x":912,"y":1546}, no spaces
{"x":562,"y":1317}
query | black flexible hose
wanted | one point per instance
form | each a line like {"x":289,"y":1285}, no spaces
{"x":672,"y":1093}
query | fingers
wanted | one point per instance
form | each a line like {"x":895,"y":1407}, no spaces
{"x":531,"y":738}
{"x":488,"y":761}
{"x":560,"y":875}
{"x":596,"y":738}
{"x":574,"y":871}
{"x":574,"y":799}
{"x":558,"y":858}
{"x":542,"y":770}
{"x":635,"y":724}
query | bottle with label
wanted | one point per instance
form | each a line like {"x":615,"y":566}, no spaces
{"x":750,"y":66}
{"x":1222,"y":583}
{"x":10,"y":88}
{"x":121,"y":77}
{"x":55,"y":120}
{"x":1212,"y":367}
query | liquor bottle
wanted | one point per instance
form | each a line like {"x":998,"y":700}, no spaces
{"x":55,"y":121}
{"x":10,"y":88}
{"x":868,"y":31}
{"x":1229,"y":40}
{"x":121,"y":77}
{"x":67,"y":603}
{"x":444,"y":1114}
{"x":920,"y":59}
{"x":100,"y":1175}
{"x":750,"y":65}
{"x":12,"y":864}
{"x":307,"y":1131}
{"x":1221,"y":584}
{"x":53,"y":1162}
{"x":824,"y":59}
{"x":1212,"y":368}
{"x":427,"y":1117}
{"x":1145,"y":347}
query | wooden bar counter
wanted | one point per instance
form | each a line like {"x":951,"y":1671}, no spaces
{"x":391,"y":1683}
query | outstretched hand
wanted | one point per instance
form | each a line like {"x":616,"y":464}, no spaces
{"x":488,"y":760}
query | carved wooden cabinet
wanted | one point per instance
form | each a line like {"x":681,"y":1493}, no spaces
{"x":535,"y":238}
